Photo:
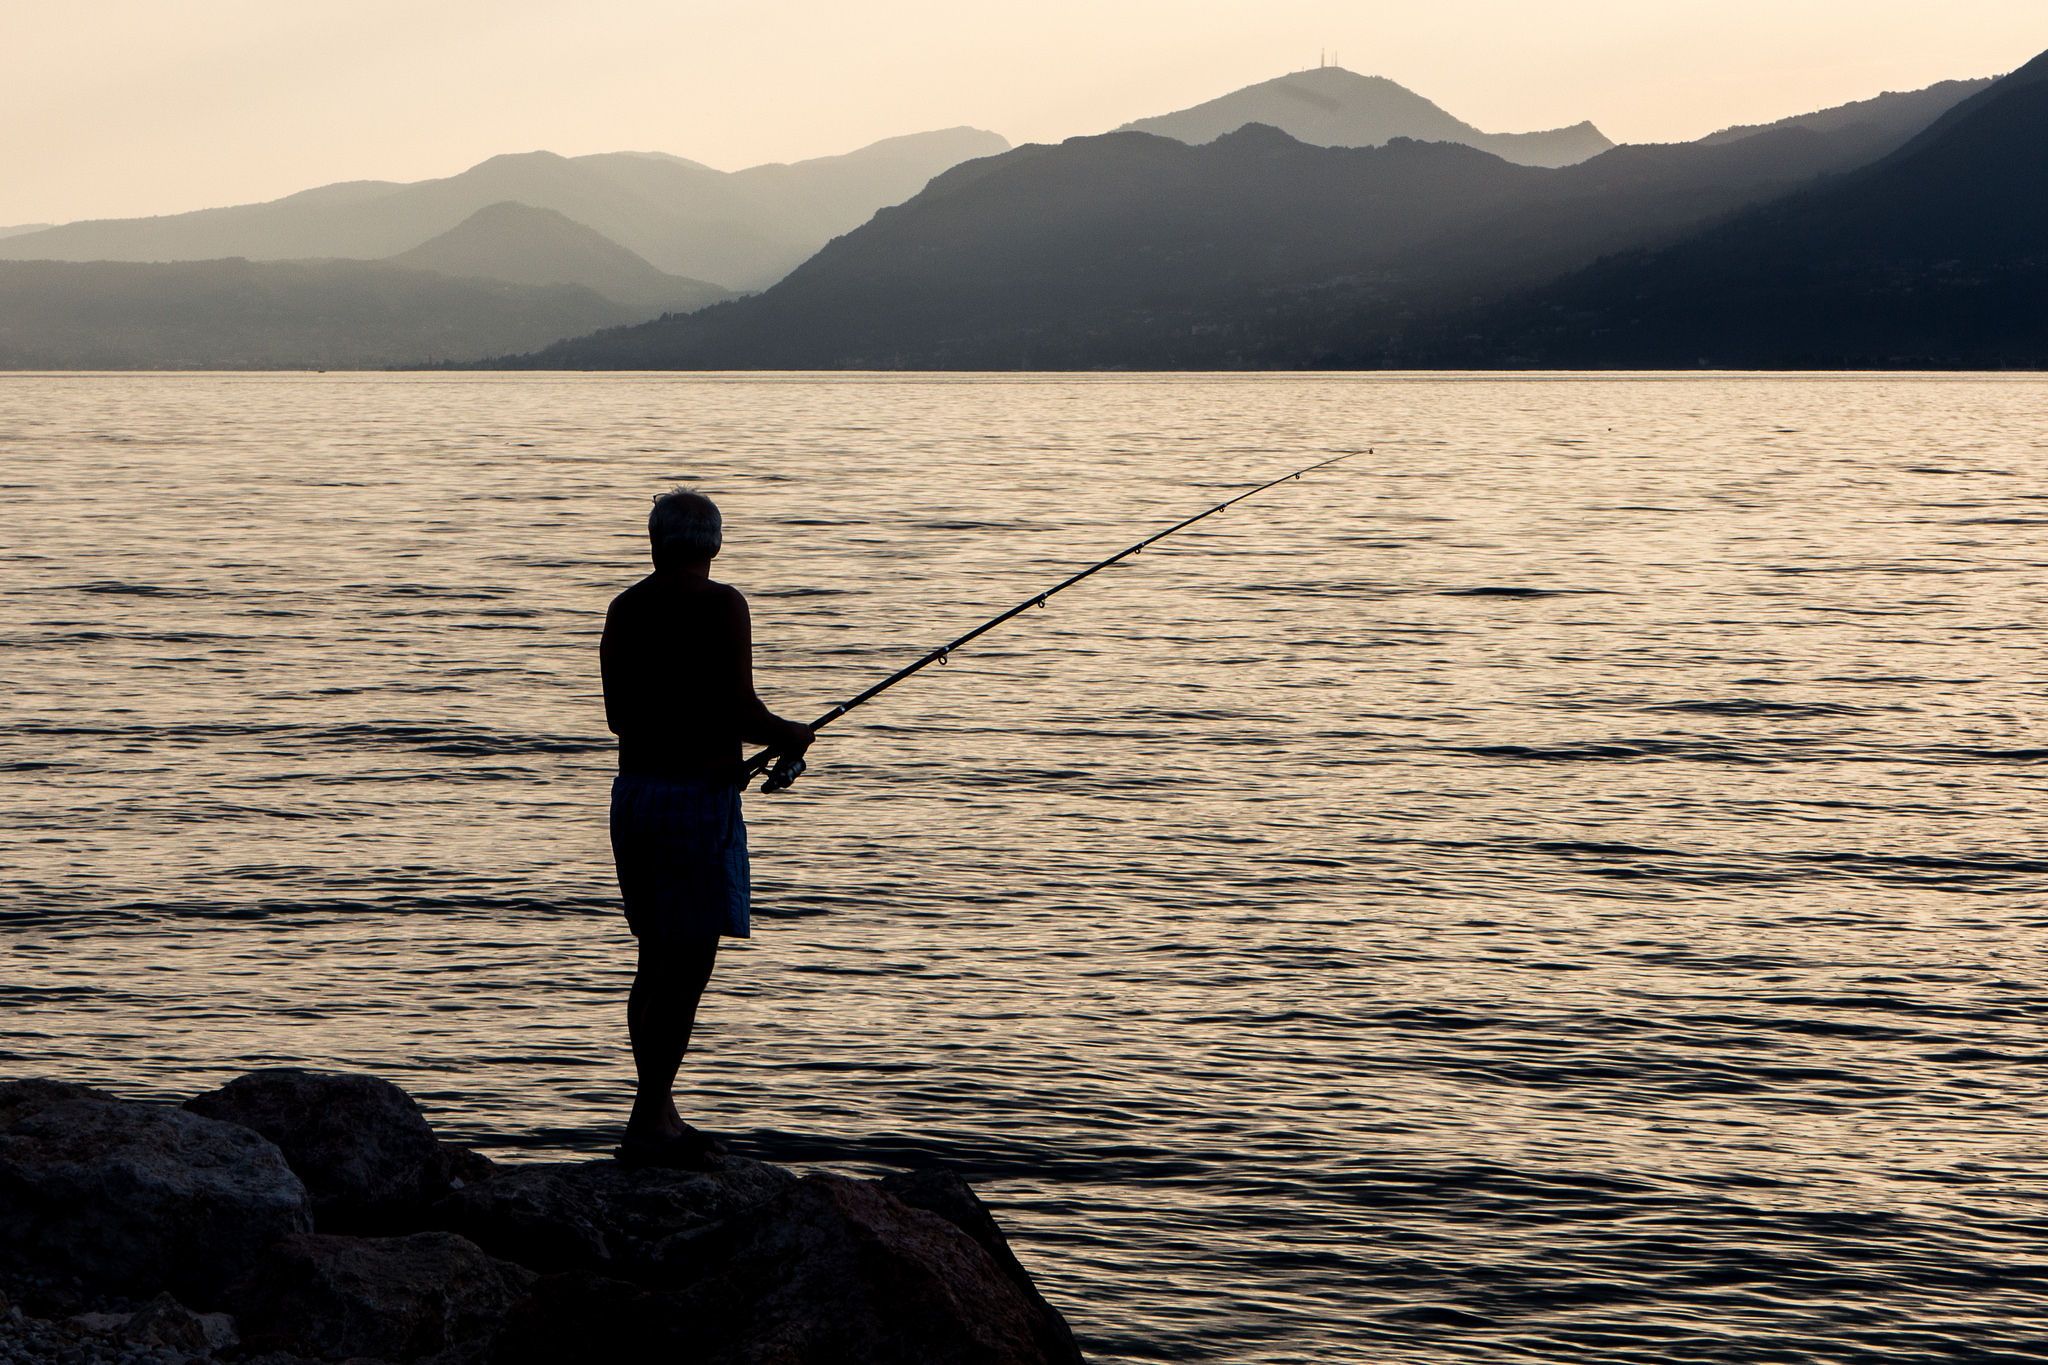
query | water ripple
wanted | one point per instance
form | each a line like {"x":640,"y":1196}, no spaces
{"x":1566,"y":887}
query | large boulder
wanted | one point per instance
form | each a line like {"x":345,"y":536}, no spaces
{"x":599,"y":1215}
{"x":19,"y":1099}
{"x":832,"y":1271}
{"x":583,"y":1318}
{"x":361,"y":1144}
{"x":394,"y":1299}
{"x":650,"y":1203}
{"x":944,"y":1191}
{"x":462,"y":1166}
{"x":163,"y":1321}
{"x":532,"y":1215}
{"x":137,"y":1198}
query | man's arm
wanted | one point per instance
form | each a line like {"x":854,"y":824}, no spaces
{"x":608,"y":673}
{"x":757,"y":723}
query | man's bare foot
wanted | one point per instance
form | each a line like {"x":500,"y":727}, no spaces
{"x":672,"y":1124}
{"x":669,"y":1127}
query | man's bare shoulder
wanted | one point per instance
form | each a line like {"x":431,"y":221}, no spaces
{"x":638,"y":592}
{"x":657,"y":595}
{"x":727,"y":596}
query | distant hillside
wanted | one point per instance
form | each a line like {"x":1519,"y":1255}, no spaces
{"x":1331,"y":107}
{"x":273,"y":315}
{"x":1254,"y":249}
{"x":743,"y":230}
{"x":1898,"y":113}
{"x":523,"y":245}
{"x":20,"y":228}
{"x":1935,"y":257}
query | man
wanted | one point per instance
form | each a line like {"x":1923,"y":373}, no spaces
{"x":677,"y":659}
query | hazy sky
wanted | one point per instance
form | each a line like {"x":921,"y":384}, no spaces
{"x":120,"y":107}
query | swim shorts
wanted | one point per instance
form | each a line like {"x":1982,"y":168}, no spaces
{"x":681,"y":850}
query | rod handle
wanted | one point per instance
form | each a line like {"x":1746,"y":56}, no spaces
{"x":786,"y":771}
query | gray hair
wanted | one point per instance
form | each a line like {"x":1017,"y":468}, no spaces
{"x":684,"y":525}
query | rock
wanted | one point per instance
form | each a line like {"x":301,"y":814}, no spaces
{"x":639,"y":1209}
{"x":361,"y":1144}
{"x":48,"y":1301}
{"x":598,"y":1215}
{"x":220,"y":1331}
{"x":276,"y":1348}
{"x":842,"y":1270}
{"x":946,"y":1192}
{"x":99,"y":1324}
{"x":533,"y":1215}
{"x":19,"y":1099}
{"x":32,"y":1341}
{"x":137,"y":1198}
{"x":579,"y":1316}
{"x":831,"y":1271}
{"x":650,"y":1204}
{"x":164,"y":1321}
{"x":396,"y":1299}
{"x":462,"y":1167}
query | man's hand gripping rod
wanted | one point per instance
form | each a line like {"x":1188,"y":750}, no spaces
{"x":788,"y":769}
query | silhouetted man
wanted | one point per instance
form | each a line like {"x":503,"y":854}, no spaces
{"x":677,"y":658}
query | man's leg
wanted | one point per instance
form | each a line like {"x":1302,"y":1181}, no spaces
{"x":659,"y":1016}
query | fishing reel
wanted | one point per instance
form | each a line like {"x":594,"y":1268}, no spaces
{"x":786,"y":771}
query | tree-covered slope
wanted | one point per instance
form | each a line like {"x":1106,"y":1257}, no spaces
{"x":237,"y":314}
{"x":1935,"y":256}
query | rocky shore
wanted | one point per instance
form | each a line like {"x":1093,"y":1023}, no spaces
{"x":294,"y":1216}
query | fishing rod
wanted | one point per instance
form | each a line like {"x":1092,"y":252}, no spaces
{"x":791,"y":767}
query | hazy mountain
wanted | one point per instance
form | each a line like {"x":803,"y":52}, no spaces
{"x":1255,"y":249}
{"x":1936,"y":256}
{"x":524,"y":245}
{"x":273,"y":315}
{"x":1898,"y":113}
{"x":743,"y":229}
{"x":999,"y":261}
{"x":1331,"y":107}
{"x":21,"y":228}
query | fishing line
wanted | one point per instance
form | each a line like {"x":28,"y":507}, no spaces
{"x":788,"y":769}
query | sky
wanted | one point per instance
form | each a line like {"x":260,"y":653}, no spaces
{"x":117,"y":108}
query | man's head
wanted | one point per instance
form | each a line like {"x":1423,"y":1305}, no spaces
{"x":683,"y":526}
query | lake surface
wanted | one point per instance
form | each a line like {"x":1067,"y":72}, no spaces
{"x":1566,"y":886}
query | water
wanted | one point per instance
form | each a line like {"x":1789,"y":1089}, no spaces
{"x":1566,"y":886}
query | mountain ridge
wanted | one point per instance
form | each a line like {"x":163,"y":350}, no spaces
{"x":1134,"y":250}
{"x":740,"y":229}
{"x":1935,"y":256}
{"x":240,"y":314}
{"x":1915,"y":108}
{"x":1329,"y":106}
{"x":520,"y":244}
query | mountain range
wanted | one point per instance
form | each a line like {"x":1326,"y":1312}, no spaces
{"x":740,"y":229}
{"x":503,"y":257}
{"x":1356,"y":224}
{"x":1933,"y":257}
{"x":508,"y":277}
{"x":1135,"y":250}
{"x":1329,"y":106}
{"x":237,"y":314}
{"x":1893,"y":109}
{"x":520,"y":244}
